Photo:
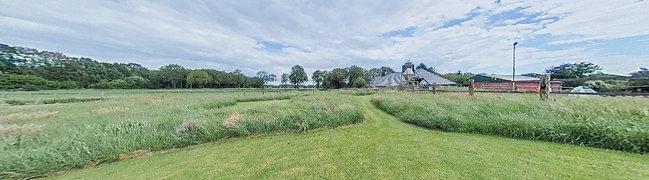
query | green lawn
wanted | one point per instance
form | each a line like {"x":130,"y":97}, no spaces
{"x":383,"y":147}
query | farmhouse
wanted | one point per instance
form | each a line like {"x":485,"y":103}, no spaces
{"x":497,"y":82}
{"x":423,"y":79}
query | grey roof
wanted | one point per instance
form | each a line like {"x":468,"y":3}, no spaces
{"x":389,"y":80}
{"x":433,"y":78}
{"x":509,"y":77}
{"x":395,"y":78}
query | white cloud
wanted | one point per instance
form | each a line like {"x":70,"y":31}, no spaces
{"x":323,"y":35}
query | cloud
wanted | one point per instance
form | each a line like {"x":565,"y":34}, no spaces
{"x":275,"y":35}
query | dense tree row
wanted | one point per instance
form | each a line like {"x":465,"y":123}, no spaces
{"x":30,"y":69}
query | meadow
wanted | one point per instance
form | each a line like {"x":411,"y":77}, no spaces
{"x":382,"y":147}
{"x":611,"y":123}
{"x":208,"y":134}
{"x":81,"y":129}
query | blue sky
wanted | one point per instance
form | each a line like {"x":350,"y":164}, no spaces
{"x":473,"y":36}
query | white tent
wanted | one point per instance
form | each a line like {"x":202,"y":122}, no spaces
{"x":582,"y":89}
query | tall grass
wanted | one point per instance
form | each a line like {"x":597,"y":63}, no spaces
{"x":70,"y":100}
{"x":89,"y":133}
{"x":611,"y":123}
{"x":50,"y":101}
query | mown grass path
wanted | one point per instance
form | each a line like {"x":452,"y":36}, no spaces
{"x":382,"y":147}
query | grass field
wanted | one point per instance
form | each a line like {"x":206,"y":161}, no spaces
{"x":612,"y":123}
{"x":381,"y":148}
{"x":127,"y":126}
{"x":44,"y":137}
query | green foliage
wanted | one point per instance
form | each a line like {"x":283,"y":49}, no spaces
{"x":572,"y":70}
{"x":336,"y":79}
{"x":620,"y":124}
{"x":284,"y":78}
{"x":317,"y":77}
{"x":29,"y":82}
{"x":608,"y":85}
{"x":173,"y":75}
{"x":359,"y":83}
{"x":429,"y":69}
{"x":356,"y":72}
{"x":297,"y":76}
{"x":197,"y":77}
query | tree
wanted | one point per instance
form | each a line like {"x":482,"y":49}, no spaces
{"x":459,"y":77}
{"x":198,"y":77}
{"x":284,"y":79}
{"x":265,"y":78}
{"x":173,"y":74}
{"x":386,"y":70}
{"x":429,"y":69}
{"x":317,"y":77}
{"x":337,"y":78}
{"x":357,"y":72}
{"x":298,"y":76}
{"x":360,"y":83}
{"x":572,"y":70}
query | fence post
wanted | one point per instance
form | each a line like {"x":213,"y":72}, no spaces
{"x":544,"y":87}
{"x":471,"y":86}
{"x":434,"y":88}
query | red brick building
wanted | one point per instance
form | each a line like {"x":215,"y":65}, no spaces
{"x":496,"y":82}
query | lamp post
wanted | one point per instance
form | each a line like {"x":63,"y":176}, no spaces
{"x":514,"y":67}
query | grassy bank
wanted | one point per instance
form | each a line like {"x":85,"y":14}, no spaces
{"x":381,"y":148}
{"x":44,"y":138}
{"x":611,"y":123}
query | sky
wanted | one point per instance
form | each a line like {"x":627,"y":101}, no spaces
{"x":252,"y":35}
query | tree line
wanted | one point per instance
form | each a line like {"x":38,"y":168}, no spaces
{"x":30,"y":69}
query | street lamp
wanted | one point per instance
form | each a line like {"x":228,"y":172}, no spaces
{"x":514,"y":68}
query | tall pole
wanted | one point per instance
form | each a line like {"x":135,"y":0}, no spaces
{"x":514,"y":68}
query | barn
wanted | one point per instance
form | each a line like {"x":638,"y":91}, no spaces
{"x":423,"y":80}
{"x":498,"y":82}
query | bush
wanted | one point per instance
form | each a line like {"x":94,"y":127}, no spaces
{"x":619,"y":124}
